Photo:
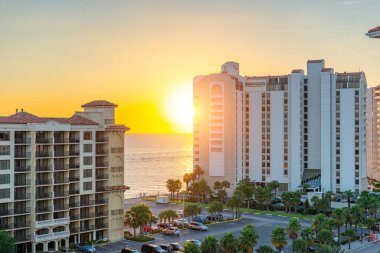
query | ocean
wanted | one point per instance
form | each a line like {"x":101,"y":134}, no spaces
{"x":151,"y":159}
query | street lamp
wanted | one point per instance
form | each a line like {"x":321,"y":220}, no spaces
{"x":374,"y":33}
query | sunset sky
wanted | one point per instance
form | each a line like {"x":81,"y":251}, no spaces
{"x":56,"y":55}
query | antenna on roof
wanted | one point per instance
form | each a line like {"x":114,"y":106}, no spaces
{"x":16,"y":110}
{"x":22,"y":109}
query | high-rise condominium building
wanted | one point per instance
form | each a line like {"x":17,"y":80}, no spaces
{"x":297,"y":128}
{"x":62,"y":179}
{"x":373,"y":133}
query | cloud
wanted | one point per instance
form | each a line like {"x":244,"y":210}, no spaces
{"x":354,"y":2}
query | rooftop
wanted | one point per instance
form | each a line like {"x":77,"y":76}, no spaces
{"x":99,"y":103}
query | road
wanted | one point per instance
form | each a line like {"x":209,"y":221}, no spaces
{"x":264,"y":225}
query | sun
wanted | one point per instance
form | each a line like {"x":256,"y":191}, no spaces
{"x":179,"y":108}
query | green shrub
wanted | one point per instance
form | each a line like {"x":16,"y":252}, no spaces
{"x":139,"y":238}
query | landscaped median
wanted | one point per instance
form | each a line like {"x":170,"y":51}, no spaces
{"x":137,"y":238}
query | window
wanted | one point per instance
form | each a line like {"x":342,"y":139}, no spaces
{"x":5,"y":179}
{"x":87,"y":148}
{"x":87,"y":186}
{"x":5,"y":193}
{"x":87,"y":136}
{"x":4,"y":136}
{"x":87,"y":173}
{"x":5,"y":150}
{"x":87,"y":160}
{"x":5,"y":165}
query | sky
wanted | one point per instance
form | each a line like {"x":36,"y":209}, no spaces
{"x":143,"y":54}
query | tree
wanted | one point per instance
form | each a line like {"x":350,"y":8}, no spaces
{"x":200,"y":189}
{"x":329,"y":196}
{"x":339,"y":220}
{"x":325,"y":236}
{"x":248,"y":239}
{"x":170,"y":185}
{"x":220,"y":188}
{"x":291,"y":199}
{"x":138,"y":216}
{"x":295,"y":200}
{"x":187,"y":178}
{"x":215,"y":207}
{"x":192,"y":210}
{"x":306,"y":206}
{"x":235,"y":202}
{"x":350,"y":233}
{"x":246,"y":187}
{"x":198,"y":172}
{"x":347,"y":216}
{"x":370,"y":222}
{"x":278,"y":238}
{"x":286,"y":200}
{"x":274,"y":186}
{"x":191,"y":248}
{"x":210,"y":245}
{"x":348,"y":195}
{"x":263,"y":195}
{"x":265,"y":249}
{"x":318,"y":223}
{"x":293,"y":229}
{"x":356,"y":216}
{"x":300,"y":245}
{"x":305,"y":186}
{"x":307,"y":235}
{"x":7,"y":243}
{"x":323,"y":248}
{"x":177,"y":186}
{"x":229,"y":243}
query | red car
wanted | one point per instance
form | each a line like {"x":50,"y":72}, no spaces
{"x":151,"y":229}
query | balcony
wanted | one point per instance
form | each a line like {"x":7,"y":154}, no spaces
{"x":74,"y":217}
{"x":117,"y":150}
{"x":59,"y":194}
{"x":101,"y":139}
{"x":23,"y":224}
{"x":60,"y":153}
{"x":73,"y":179}
{"x":101,"y":201}
{"x":52,"y":236}
{"x":74,"y":166}
{"x":22,"y":155}
{"x":74,"y":140}
{"x":101,"y":226}
{"x":102,"y":176}
{"x":87,"y":203}
{"x":74,"y":191}
{"x":22,"y":182}
{"x":57,"y":208}
{"x":101,"y":214}
{"x":43,"y":195}
{"x":87,"y":228}
{"x":53,"y":222}
{"x":43,"y":140}
{"x":6,"y":212}
{"x":44,"y":167}
{"x":43,"y":181}
{"x":22,"y":238}
{"x":61,"y":180}
{"x":43,"y":209}
{"x":58,"y":167}
{"x":87,"y":215}
{"x":6,"y":226}
{"x":22,"y":196}
{"x":41,"y":154}
{"x":22,"y":168}
{"x":22,"y":141}
{"x":74,"y":230}
{"x":101,"y":152}
{"x":60,"y":140}
{"x":74,"y":153}
{"x":23,"y":210}
{"x":101,"y":164}
{"x":101,"y":189}
{"x":74,"y":204}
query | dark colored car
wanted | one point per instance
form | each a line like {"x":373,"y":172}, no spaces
{"x":129,"y":250}
{"x":276,"y":200}
{"x":167,"y":247}
{"x":200,"y":219}
{"x":151,"y":248}
{"x":177,"y":246}
{"x":214,"y":217}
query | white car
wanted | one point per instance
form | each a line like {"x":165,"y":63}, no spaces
{"x":196,"y":242}
{"x":181,"y":222}
{"x":171,"y":231}
{"x":197,"y":226}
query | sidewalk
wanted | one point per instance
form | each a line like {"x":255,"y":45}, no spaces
{"x":357,"y":245}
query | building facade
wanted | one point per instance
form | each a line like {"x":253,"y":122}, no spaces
{"x":297,"y":128}
{"x":62,"y":179}
{"x":373,"y":113}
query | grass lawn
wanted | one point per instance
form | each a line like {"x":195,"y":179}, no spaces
{"x":139,"y":238}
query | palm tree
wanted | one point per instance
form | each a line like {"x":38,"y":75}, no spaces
{"x":246,"y":187}
{"x":348,"y":195}
{"x":323,"y":248}
{"x":263,"y":195}
{"x":278,"y":238}
{"x":198,"y":172}
{"x":295,"y":199}
{"x":293,"y":229}
{"x":339,"y":220}
{"x":235,"y":202}
{"x":210,"y":245}
{"x":370,"y":222}
{"x":191,"y":248}
{"x":192,"y":210}
{"x":265,"y":249}
{"x":138,"y":216}
{"x":170,"y":185}
{"x":325,"y":236}
{"x":286,"y":200}
{"x":356,"y":216}
{"x":274,"y":186}
{"x":187,"y":178}
{"x":248,"y":239}
{"x":177,"y":186}
{"x":347,"y":216}
{"x":350,"y":233}
{"x":329,"y":195}
{"x":215,"y":207}
{"x":305,"y":186}
{"x":307,"y":235}
{"x":300,"y":245}
{"x":229,"y":243}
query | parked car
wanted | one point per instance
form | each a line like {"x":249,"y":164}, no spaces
{"x":181,"y":222}
{"x":198,"y":226}
{"x":171,"y":231}
{"x":163,"y":225}
{"x":167,"y":247}
{"x":276,"y":200}
{"x":151,"y":248}
{"x":196,"y":242}
{"x":180,"y":213}
{"x":214,"y":217}
{"x":67,"y":250}
{"x":177,"y":247}
{"x":152,"y":229}
{"x":201,"y":219}
{"x":129,"y":250}
{"x":85,"y":247}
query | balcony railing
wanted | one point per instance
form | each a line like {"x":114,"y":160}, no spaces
{"x":22,"y":154}
{"x":74,"y":204}
{"x":22,"y":168}
{"x":74,"y":153}
{"x":23,"y":238}
{"x":43,"y":167}
{"x":74,"y":217}
{"x":60,"y":140}
{"x":74,"y":191}
{"x":101,"y":139}
{"x":43,"y":181}
{"x":52,"y":236}
{"x":6,"y":212}
{"x":22,"y":141}
{"x":53,"y":222}
{"x":23,"y":224}
{"x":74,"y":230}
{"x":101,"y":164}
{"x":60,"y":207}
{"x":102,"y":176}
{"x":23,"y":210}
{"x":87,"y":203}
{"x":43,"y":140}
{"x":43,"y":195}
{"x":87,"y":215}
{"x":43,"y":209}
{"x":117,"y":150}
{"x":61,"y":180}
{"x":101,"y":151}
{"x":74,"y":165}
{"x":22,"y":196}
{"x":44,"y":154}
{"x":59,"y":194}
{"x":101,"y":226}
{"x":100,"y":189}
{"x":74,"y":140}
{"x":60,"y":153}
{"x":61,"y":167}
{"x":101,"y":201}
{"x":87,"y":228}
{"x":101,"y":214}
{"x":22,"y":182}
{"x":73,"y":179}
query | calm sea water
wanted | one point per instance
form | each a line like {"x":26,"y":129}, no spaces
{"x":151,"y":159}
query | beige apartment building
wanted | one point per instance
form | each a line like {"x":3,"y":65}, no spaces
{"x":62,"y":179}
{"x":373,"y":133}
